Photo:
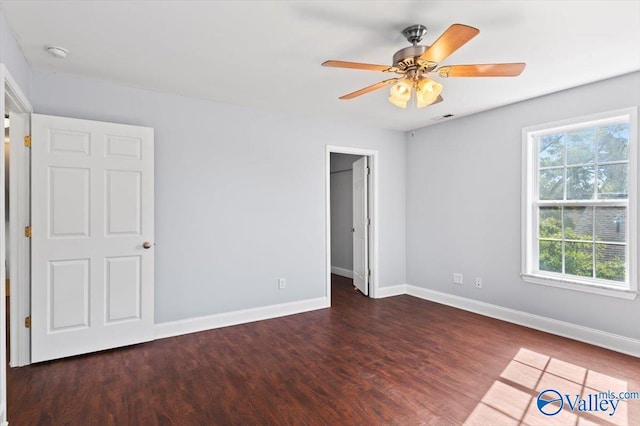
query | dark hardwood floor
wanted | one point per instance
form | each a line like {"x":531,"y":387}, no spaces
{"x":394,"y":361}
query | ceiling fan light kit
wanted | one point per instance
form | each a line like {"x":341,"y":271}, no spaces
{"x":416,"y":62}
{"x":426,"y":92}
{"x":401,"y":93}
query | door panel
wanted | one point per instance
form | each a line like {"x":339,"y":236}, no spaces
{"x":360,"y":226}
{"x":124,"y":200}
{"x":92,"y":209}
{"x":123,"y":288}
{"x":67,"y":142}
{"x":68,"y":293}
{"x":69,"y":194}
{"x":123,"y":147}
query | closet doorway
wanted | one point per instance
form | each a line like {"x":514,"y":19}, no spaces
{"x":351,"y":213}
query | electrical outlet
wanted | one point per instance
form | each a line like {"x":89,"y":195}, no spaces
{"x":478,"y":282}
{"x":282,"y":283}
{"x":457,"y":278}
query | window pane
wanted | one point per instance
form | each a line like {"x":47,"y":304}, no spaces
{"x":578,"y":223}
{"x":550,"y":256}
{"x":613,"y":181}
{"x":610,"y":262}
{"x":581,"y":146}
{"x":611,"y":224}
{"x":551,"y":184}
{"x":551,"y":150}
{"x":578,"y":258}
{"x":549,"y":222}
{"x":580,"y":182}
{"x":579,"y":200}
{"x":613,"y":143}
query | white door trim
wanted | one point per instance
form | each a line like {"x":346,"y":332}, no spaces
{"x":12,"y":95}
{"x":19,"y":193}
{"x":373,"y":213}
{"x":20,"y":259}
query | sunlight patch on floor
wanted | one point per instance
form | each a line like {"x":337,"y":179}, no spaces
{"x":513,"y":398}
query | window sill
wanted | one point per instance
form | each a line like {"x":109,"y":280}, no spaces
{"x":586,"y":288}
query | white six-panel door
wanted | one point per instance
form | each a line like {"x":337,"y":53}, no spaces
{"x":360,"y":226}
{"x":92,"y":212}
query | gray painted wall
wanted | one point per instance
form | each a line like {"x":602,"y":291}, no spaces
{"x":342,"y":210}
{"x":11,"y":55}
{"x":240,"y":194}
{"x":463,"y":207}
{"x":219,"y":251}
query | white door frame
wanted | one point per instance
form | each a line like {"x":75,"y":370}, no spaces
{"x":12,"y":95}
{"x":373,"y":213}
{"x":19,"y":193}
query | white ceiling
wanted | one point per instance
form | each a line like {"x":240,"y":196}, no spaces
{"x":267,"y":54}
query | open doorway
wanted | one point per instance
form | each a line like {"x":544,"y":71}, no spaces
{"x":342,"y":226}
{"x":351,"y":217}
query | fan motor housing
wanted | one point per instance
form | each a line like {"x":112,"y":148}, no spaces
{"x":405,"y":59}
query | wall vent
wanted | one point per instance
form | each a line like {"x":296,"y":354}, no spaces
{"x":444,"y":117}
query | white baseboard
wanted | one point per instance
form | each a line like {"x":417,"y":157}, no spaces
{"x":194,"y":325}
{"x":592,"y":336}
{"x":394,"y":290}
{"x":342,"y":272}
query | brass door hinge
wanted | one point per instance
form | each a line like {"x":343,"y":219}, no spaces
{"x":27,"y":231}
{"x":27,"y":141}
{"x":27,"y":322}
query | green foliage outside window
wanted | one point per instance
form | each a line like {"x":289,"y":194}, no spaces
{"x":578,"y":256}
{"x":583,"y":164}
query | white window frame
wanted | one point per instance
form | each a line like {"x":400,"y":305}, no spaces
{"x":530,"y":272}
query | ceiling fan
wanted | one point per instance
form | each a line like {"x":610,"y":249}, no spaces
{"x":414,"y":63}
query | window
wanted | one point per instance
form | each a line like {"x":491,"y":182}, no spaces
{"x":580,"y":204}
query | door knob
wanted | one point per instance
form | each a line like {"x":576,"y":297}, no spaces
{"x":146,"y":245}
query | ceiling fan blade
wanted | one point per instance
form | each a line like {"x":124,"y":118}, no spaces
{"x":356,"y":66}
{"x":369,"y":88}
{"x":482,"y":70}
{"x":451,"y":40}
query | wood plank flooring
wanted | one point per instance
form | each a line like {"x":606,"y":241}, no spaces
{"x":394,"y":361}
